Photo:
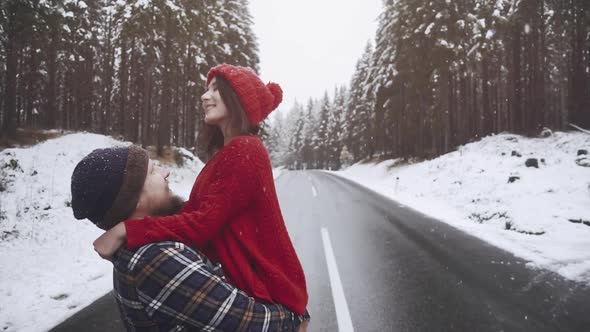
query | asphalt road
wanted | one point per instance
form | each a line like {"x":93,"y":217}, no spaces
{"x":400,"y":270}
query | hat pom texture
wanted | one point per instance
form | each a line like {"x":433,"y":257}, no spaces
{"x":257,"y":99}
{"x":277,"y":92}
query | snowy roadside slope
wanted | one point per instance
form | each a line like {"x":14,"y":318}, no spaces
{"x":530,"y":217}
{"x":48,"y":268}
{"x":277,"y":172}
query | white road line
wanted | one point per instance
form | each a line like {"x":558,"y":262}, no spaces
{"x":313,"y":190}
{"x":342,"y":313}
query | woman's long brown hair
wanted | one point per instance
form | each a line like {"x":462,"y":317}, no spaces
{"x":210,"y":138}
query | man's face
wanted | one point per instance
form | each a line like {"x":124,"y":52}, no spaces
{"x":156,"y":197}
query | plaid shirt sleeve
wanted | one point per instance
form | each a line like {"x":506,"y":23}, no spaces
{"x":176,"y":286}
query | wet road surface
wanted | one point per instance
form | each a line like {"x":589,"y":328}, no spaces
{"x":399,"y":270}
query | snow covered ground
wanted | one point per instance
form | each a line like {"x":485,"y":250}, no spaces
{"x":543,"y":216}
{"x":48,"y":268}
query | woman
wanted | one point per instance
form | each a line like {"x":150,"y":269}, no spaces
{"x":233,"y":214}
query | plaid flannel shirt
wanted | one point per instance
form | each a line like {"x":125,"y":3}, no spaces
{"x":168,"y":286}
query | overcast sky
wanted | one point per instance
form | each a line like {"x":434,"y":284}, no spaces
{"x":308,"y":46}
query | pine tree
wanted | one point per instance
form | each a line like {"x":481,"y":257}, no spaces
{"x":296,"y":119}
{"x":320,"y":140}
{"x":346,"y":159}
{"x":334,"y":143}
{"x":274,"y":141}
{"x":360,"y":111}
{"x":234,"y":39}
{"x":16,"y":17}
{"x":310,"y":136}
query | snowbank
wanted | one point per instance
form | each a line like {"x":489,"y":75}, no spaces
{"x":48,"y":268}
{"x":277,"y":172}
{"x":543,"y":215}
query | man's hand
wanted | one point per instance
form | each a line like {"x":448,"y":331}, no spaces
{"x":303,"y":326}
{"x":107,"y":244}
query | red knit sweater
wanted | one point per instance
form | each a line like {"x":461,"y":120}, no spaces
{"x":233,"y":216}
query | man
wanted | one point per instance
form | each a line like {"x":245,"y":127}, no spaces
{"x":162,"y":286}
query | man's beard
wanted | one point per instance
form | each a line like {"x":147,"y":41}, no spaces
{"x":170,"y":207}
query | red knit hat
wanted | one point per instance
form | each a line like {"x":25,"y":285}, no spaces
{"x":257,"y":99}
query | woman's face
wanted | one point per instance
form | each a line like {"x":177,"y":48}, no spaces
{"x":216,"y":113}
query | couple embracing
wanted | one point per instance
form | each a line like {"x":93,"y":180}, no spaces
{"x":221,"y":261}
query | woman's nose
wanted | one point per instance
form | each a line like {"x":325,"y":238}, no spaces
{"x":205,"y":96}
